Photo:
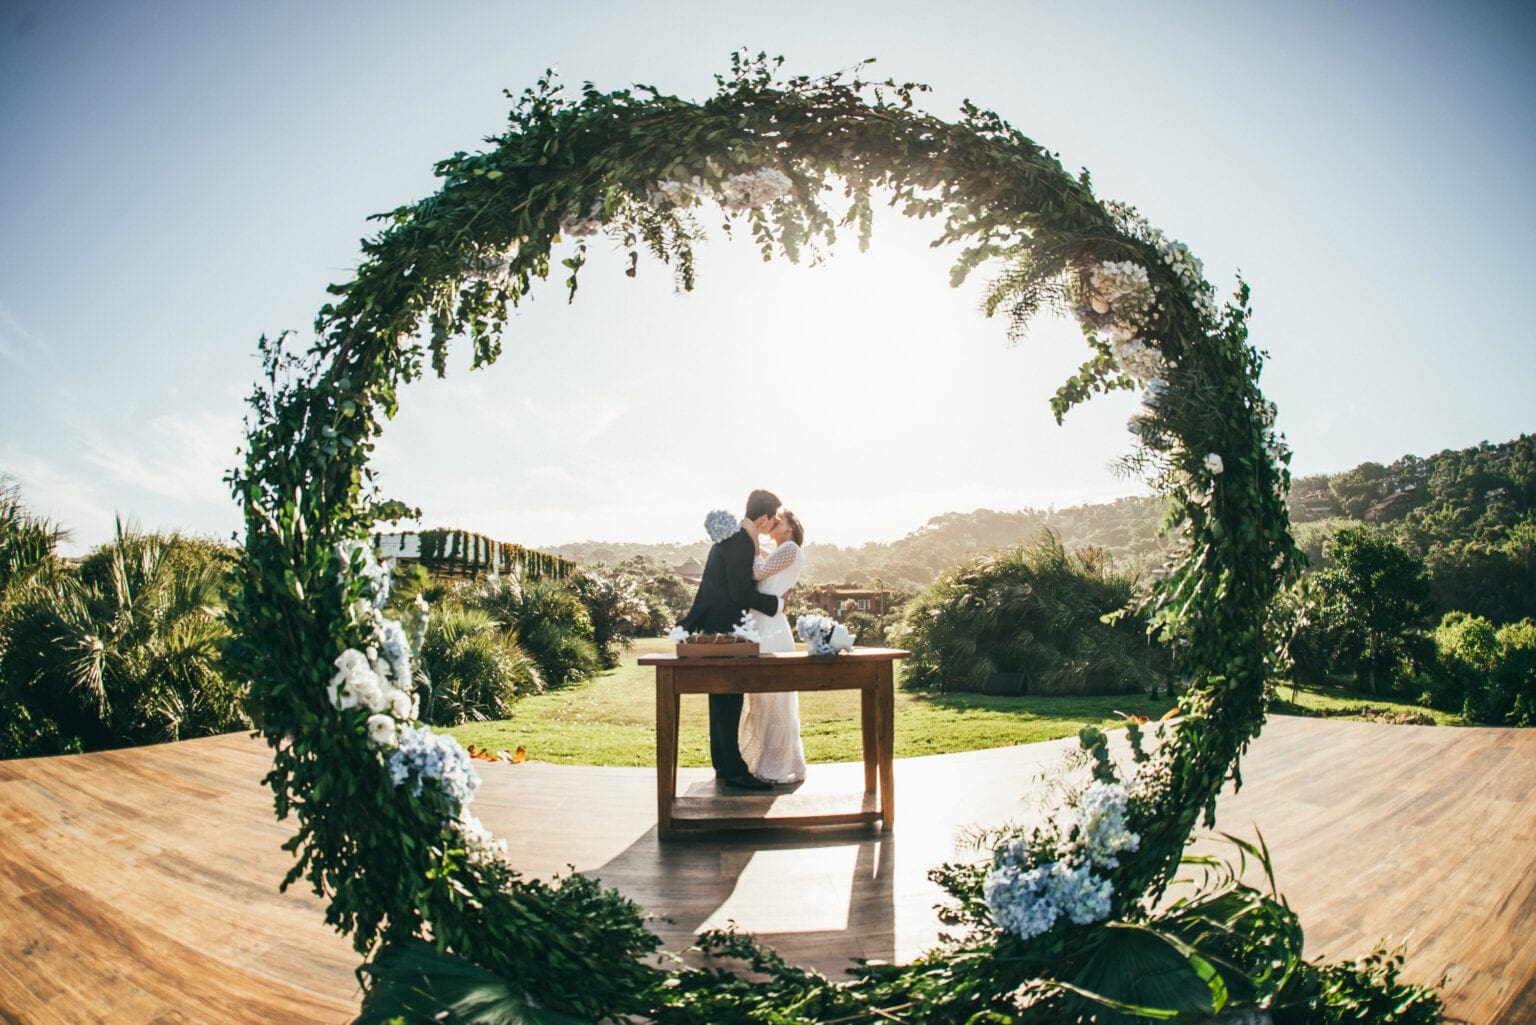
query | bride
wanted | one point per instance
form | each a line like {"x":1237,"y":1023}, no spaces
{"x":769,"y":734}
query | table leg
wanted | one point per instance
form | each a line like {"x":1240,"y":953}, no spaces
{"x":886,"y":715}
{"x":870,"y":728}
{"x":666,"y":747}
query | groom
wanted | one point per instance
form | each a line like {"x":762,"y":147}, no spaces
{"x":726,"y":592}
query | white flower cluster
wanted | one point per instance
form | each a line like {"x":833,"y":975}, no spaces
{"x":752,"y":189}
{"x":1177,"y":255}
{"x":720,"y":525}
{"x":420,"y":755}
{"x":679,"y":193}
{"x":364,"y":680}
{"x":1136,"y":356}
{"x":377,"y":678}
{"x":746,"y":629}
{"x":1027,"y":899}
{"x":357,"y":560}
{"x":1122,"y":288}
{"x":1120,"y":297}
{"x":823,"y":635}
{"x":677,"y":635}
{"x":481,"y":845}
{"x":1101,"y":828}
{"x":1214,"y":464}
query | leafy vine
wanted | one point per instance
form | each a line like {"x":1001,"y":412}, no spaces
{"x":384,"y":831}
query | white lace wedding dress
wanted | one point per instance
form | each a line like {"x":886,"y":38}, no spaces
{"x":769,"y":735}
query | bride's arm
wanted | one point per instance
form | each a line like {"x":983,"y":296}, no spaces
{"x":781,"y":558}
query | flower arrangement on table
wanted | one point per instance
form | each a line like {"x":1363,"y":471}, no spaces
{"x":823,"y":635}
{"x":742,"y":640}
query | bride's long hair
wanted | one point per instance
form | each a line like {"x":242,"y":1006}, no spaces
{"x":796,"y":529}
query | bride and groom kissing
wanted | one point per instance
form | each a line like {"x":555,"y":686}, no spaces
{"x":753,"y":744}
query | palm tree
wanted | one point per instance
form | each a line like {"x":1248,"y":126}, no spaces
{"x":27,"y":546}
{"x":475,"y":668}
{"x":127,"y":650}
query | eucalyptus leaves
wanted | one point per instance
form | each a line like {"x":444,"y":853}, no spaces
{"x":383,"y":830}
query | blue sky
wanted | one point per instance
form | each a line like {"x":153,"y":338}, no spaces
{"x":178,"y":178}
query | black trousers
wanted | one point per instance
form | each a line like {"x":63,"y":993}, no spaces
{"x":724,"y":722}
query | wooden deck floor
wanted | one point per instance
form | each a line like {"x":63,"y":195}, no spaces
{"x":140,"y":886}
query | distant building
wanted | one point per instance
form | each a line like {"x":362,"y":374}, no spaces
{"x":1391,"y":507}
{"x":830,"y":598}
{"x":691,"y":571}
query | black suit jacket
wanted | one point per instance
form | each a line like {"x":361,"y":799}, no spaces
{"x":727,"y":589}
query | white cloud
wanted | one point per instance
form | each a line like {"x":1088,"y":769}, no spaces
{"x":183,"y":457}
{"x":52,"y":492}
{"x":20,"y":346}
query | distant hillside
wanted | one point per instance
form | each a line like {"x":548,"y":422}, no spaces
{"x":1125,"y":528}
{"x":1470,"y":513}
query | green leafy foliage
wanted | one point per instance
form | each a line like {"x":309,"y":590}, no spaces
{"x":1485,"y":672}
{"x":1374,"y":592}
{"x":551,"y":624}
{"x":128,"y":648}
{"x":414,"y":981}
{"x":1035,"y":610}
{"x":475,"y":669}
{"x":453,"y":266}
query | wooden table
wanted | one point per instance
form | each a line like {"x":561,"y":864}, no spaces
{"x":866,"y":670}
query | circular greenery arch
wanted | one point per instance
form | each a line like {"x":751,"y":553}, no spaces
{"x":390,"y":841}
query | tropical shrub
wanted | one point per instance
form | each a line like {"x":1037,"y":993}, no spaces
{"x":615,"y":609}
{"x":1485,"y":672}
{"x":1038,"y":610}
{"x":27,"y":547}
{"x":550,"y":621}
{"x":128,"y":649}
{"x":475,"y":667}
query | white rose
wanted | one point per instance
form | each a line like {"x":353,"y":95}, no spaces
{"x":381,"y":730}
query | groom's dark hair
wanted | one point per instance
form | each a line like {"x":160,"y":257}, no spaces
{"x":762,"y":503}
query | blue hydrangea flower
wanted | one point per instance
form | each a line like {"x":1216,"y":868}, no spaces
{"x":420,"y":755}
{"x":720,"y":525}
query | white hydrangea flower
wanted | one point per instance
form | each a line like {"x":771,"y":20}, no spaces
{"x":756,"y":188}
{"x":381,"y":730}
{"x":1214,"y":464}
{"x":480,"y":844}
{"x":1122,"y":287}
{"x":678,"y":193}
{"x":1102,"y":832}
{"x":402,"y":705}
{"x":677,"y":635}
{"x":1135,"y":356}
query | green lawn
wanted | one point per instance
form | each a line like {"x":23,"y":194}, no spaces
{"x":610,"y":720}
{"x":1335,"y":703}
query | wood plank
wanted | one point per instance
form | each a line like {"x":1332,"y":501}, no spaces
{"x":141,"y":886}
{"x":773,"y":811}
